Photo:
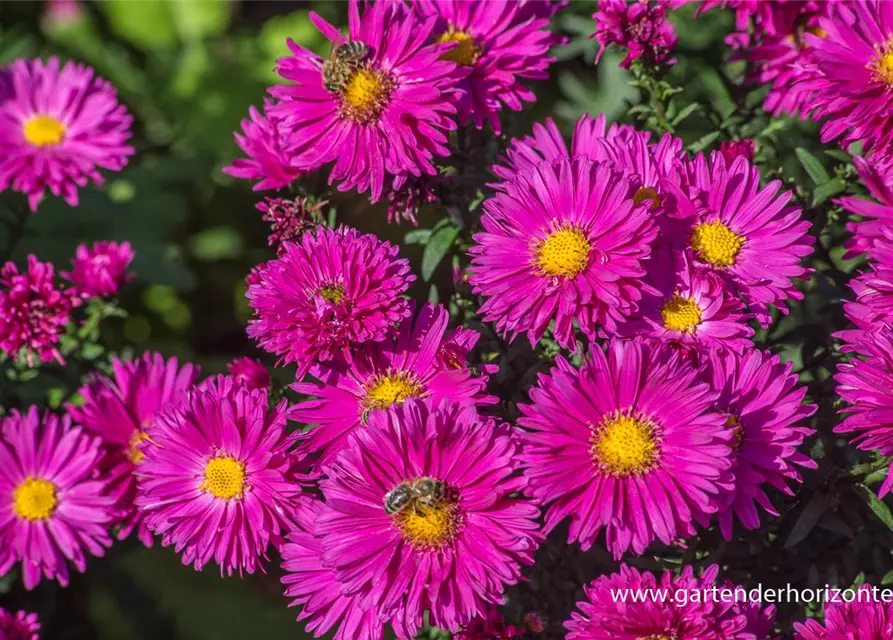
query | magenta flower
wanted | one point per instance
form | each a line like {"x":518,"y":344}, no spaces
{"x":417,"y":361}
{"x":692,"y":308}
{"x":731,"y":149}
{"x":866,"y":618}
{"x":33,"y":312}
{"x":867,"y":385}
{"x":641,"y":27}
{"x":313,"y":587}
{"x":503,"y":43}
{"x":873,"y":305}
{"x":332,"y":290}
{"x":563,"y":242}
{"x":121,"y":410}
{"x":218,"y":480}
{"x":452,"y":554}
{"x":490,"y":626}
{"x":100,"y":270}
{"x":626,"y":444}
{"x":265,"y":141}
{"x":289,"y":219}
{"x":780,"y":56}
{"x":250,"y":373}
{"x":877,"y":176}
{"x":53,"y":505}
{"x":18,"y":626}
{"x":853,"y":68}
{"x":406,"y":202}
{"x":763,"y":407}
{"x":389,"y":117}
{"x":603,"y":617}
{"x":745,"y":233}
{"x":58,"y":126}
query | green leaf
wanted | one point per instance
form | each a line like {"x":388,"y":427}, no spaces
{"x":808,"y":519}
{"x":881,"y":510}
{"x":417,"y":236}
{"x":216,"y":243}
{"x":147,"y":24}
{"x":888,"y":577}
{"x":199,"y":19}
{"x":703,"y":142}
{"x":813,"y":167}
{"x":682,"y":115}
{"x":440,"y":242}
{"x":827,"y":190}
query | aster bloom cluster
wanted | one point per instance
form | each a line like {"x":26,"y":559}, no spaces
{"x":861,"y":619}
{"x":380,"y":108}
{"x":641,"y":27}
{"x":36,"y":309}
{"x":601,"y":617}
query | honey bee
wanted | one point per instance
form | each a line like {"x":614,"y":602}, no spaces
{"x":421,"y":492}
{"x":343,"y":61}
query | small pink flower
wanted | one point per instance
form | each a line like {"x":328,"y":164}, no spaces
{"x":263,"y":140}
{"x":18,"y":626}
{"x":731,"y":149}
{"x":33,"y":311}
{"x":289,"y":219}
{"x":101,"y":270}
{"x":250,"y":373}
{"x":641,"y":27}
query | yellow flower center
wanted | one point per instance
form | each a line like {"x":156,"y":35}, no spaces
{"x":647,"y":194}
{"x":43,"y":131}
{"x":224,"y":477}
{"x":716,"y":243}
{"x":681,"y":314}
{"x":391,"y":388}
{"x":882,"y":65}
{"x":133,"y":452}
{"x":623,"y":445}
{"x":734,"y":424}
{"x":34,"y":499}
{"x":428,"y":526}
{"x":333,"y":293}
{"x":466,"y":52}
{"x":366,"y":95}
{"x":564,"y":252}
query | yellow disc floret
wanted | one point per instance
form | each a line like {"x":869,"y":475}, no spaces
{"x":224,"y":477}
{"x":43,"y":131}
{"x":624,"y":445}
{"x":466,"y":52}
{"x":715,"y":243}
{"x":563,"y":253}
{"x":34,"y":499}
{"x":681,"y":314}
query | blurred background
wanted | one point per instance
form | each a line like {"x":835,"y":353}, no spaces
{"x":188,"y":71}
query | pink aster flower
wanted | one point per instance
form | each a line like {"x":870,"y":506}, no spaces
{"x":641,"y":27}
{"x":603,"y":617}
{"x":58,"y":126}
{"x":406,"y":202}
{"x":489,"y":626}
{"x":264,"y":140}
{"x":452,"y":553}
{"x":53,"y":504}
{"x":218,"y":480}
{"x":503,"y":43}
{"x":865,"y":618}
{"x":731,"y":149}
{"x":121,"y":410}
{"x":872,"y":307}
{"x":853,"y":68}
{"x":763,"y":406}
{"x":33,"y":311}
{"x":745,"y":233}
{"x":563,"y":242}
{"x":640,"y":461}
{"x":249,"y":372}
{"x":877,"y":176}
{"x":313,"y":587}
{"x":416,"y":361}
{"x":385,"y":114}
{"x":867,"y":385}
{"x":780,"y":56}
{"x":329,"y":291}
{"x":289,"y":219}
{"x":692,"y":308}
{"x":100,"y":270}
{"x":18,"y":626}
